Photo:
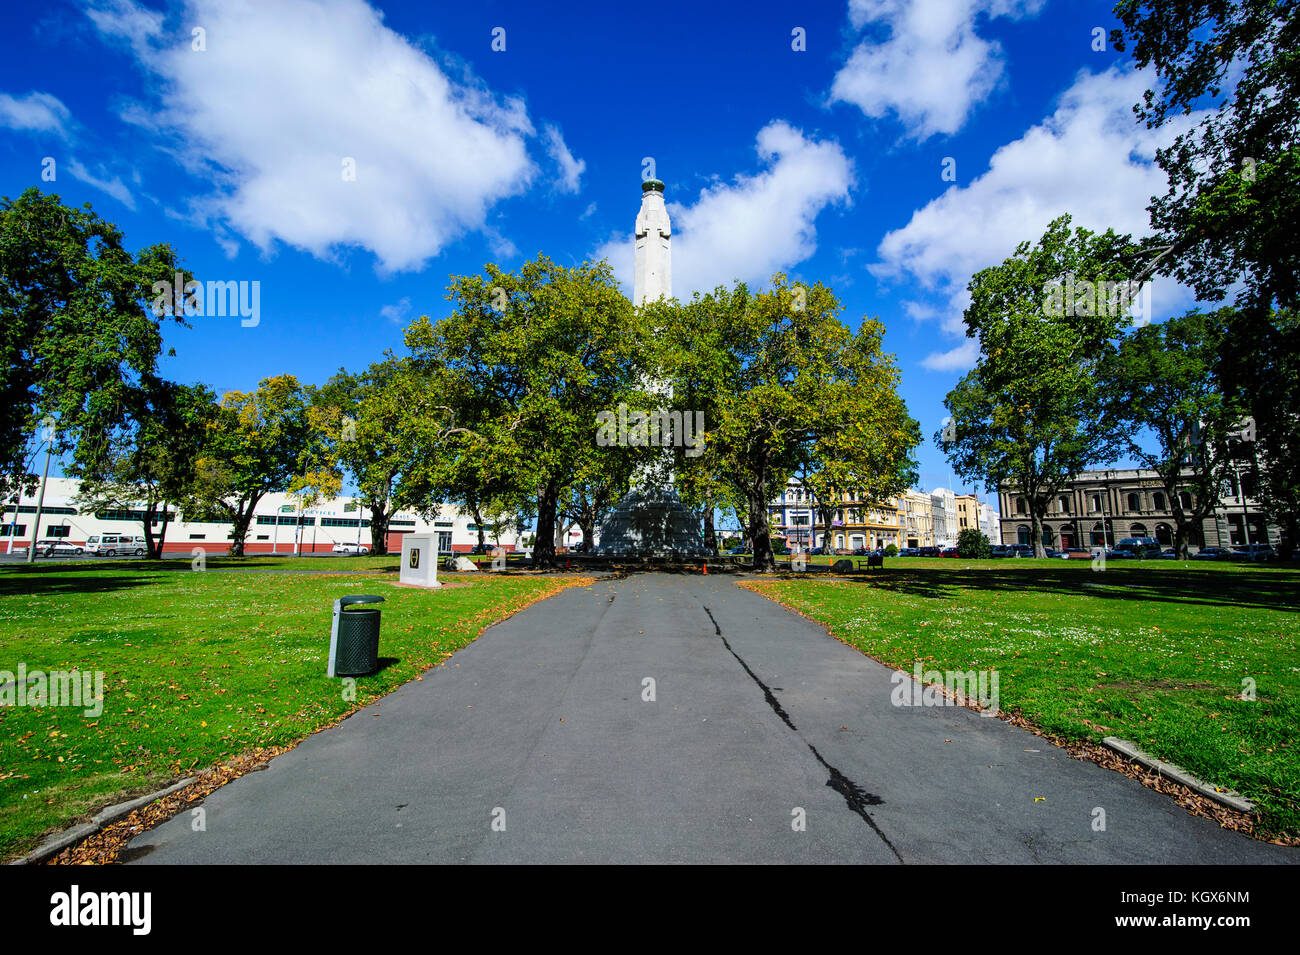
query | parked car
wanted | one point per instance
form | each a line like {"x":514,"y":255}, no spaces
{"x":1021,"y":550}
{"x":948,"y":552}
{"x":110,"y":545}
{"x":1212,"y":553}
{"x":1252,"y":552}
{"x":1138,"y":543}
{"x":928,"y":552}
{"x":61,"y":548}
{"x":909,"y":552}
{"x":345,"y":548}
{"x":1167,"y":554}
{"x":1073,"y":553}
{"x":737,"y":551}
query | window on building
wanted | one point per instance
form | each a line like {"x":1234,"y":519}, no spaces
{"x":14,"y":530}
{"x":1185,"y":499}
{"x":1159,"y":501}
{"x":57,"y":530}
{"x":1063,"y":503}
{"x":1134,"y":504}
{"x":1020,"y":506}
{"x":198,"y":537}
{"x":113,"y":514}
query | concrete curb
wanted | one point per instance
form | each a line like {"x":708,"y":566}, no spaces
{"x":69,"y":837}
{"x":1229,"y":798}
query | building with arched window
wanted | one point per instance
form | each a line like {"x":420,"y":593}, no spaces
{"x":1099,"y":508}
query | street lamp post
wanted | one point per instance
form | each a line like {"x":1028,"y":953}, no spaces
{"x":40,"y":499}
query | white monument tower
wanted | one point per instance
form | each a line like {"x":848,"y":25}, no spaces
{"x":650,"y":522}
{"x":653,"y":278}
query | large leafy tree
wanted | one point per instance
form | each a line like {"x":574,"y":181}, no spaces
{"x":1161,"y":383}
{"x":527,"y":360}
{"x":76,"y":331}
{"x":360,"y":418}
{"x":1234,"y":179}
{"x":150,"y":462}
{"x":1229,"y":214}
{"x":258,"y":444}
{"x":1273,"y":451}
{"x":1030,"y":414}
{"x":797,"y":386}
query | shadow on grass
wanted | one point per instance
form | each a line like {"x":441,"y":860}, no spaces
{"x":1273,"y":590}
{"x":36,"y":581}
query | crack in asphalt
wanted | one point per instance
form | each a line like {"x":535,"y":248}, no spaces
{"x":855,"y":797}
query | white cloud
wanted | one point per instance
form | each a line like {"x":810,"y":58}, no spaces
{"x":956,"y":359}
{"x":113,"y":187}
{"x":571,"y":169}
{"x":396,"y":313}
{"x":932,"y":68}
{"x":39,"y":112}
{"x":1090,"y":158}
{"x":755,"y":225}
{"x":286,"y":92}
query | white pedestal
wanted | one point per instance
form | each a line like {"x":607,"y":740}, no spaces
{"x":419,"y":560}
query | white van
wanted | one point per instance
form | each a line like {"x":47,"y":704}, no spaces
{"x":110,"y":545}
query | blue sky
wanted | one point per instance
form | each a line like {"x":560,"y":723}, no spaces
{"x":826,"y":163}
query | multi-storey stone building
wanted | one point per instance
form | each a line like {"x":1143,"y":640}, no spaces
{"x":1099,"y":508}
{"x":855,"y":522}
{"x":916,"y":519}
{"x":943,"y":510}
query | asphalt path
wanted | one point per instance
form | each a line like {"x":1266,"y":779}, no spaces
{"x":537,"y":744}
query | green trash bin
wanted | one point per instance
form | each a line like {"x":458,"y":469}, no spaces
{"x":355,"y":647}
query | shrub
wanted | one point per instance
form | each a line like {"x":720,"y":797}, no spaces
{"x":972,"y":543}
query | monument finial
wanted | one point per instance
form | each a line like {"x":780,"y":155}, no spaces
{"x":652,"y":254}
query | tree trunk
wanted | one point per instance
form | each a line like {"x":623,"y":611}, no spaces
{"x":1180,"y":538}
{"x":710,"y":533}
{"x":156,"y":550}
{"x":764,"y":559}
{"x":588,"y":533}
{"x":1036,"y":528}
{"x":1286,"y":546}
{"x":379,"y":518}
{"x":544,"y":545}
{"x":474,"y":511}
{"x":243,"y":520}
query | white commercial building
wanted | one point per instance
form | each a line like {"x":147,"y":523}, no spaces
{"x":990,"y":524}
{"x":280,"y":525}
{"x":943,"y":509}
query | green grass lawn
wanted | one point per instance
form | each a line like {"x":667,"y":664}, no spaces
{"x":1155,"y":652}
{"x":200,"y":667}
